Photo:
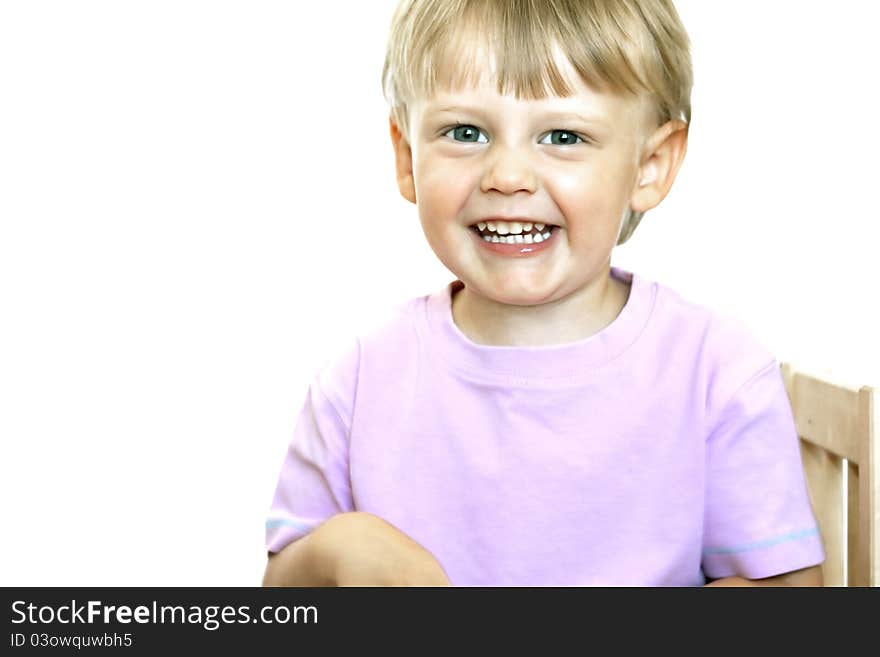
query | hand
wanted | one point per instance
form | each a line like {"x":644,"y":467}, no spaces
{"x":368,"y":551}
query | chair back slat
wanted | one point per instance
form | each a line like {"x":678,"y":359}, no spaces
{"x":827,"y":415}
{"x":855,"y":554}
{"x":836,"y":422}
{"x":824,"y":474}
{"x":869,"y":488}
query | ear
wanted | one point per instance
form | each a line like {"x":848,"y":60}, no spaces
{"x":664,"y":152}
{"x":403,"y":161}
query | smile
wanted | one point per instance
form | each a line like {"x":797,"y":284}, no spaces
{"x":520,"y":244}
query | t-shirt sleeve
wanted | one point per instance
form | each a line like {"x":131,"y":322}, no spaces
{"x":314,"y":483}
{"x":758,"y":519}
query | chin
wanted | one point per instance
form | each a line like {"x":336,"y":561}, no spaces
{"x":519,"y":297}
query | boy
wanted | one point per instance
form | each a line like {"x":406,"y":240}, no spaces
{"x":545,"y":419}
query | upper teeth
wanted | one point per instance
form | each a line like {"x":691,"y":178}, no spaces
{"x":509,"y":227}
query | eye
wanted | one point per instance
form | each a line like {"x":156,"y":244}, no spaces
{"x":567,"y":138}
{"x":468,"y":133}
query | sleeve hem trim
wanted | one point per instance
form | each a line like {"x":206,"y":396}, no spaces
{"x":791,"y":536}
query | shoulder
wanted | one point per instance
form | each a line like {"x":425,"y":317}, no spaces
{"x":391,"y":324}
{"x":377,"y":339}
{"x":720,"y":349}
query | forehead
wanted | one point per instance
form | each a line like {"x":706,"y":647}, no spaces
{"x":469,"y":79}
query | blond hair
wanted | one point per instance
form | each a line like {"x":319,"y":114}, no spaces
{"x":630,"y":47}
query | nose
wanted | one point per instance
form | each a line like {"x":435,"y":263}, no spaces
{"x":508,"y":171}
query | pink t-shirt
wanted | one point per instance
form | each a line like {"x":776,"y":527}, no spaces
{"x":660,"y":451}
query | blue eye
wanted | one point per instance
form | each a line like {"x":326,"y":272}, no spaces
{"x":467,"y":132}
{"x":570,"y":138}
{"x":470,"y":134}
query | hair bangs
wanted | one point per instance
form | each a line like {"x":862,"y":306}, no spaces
{"x":521,"y":44}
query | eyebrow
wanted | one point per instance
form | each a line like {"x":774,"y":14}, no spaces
{"x":554,"y":114}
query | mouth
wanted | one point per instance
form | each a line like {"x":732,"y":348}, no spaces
{"x":514,"y":232}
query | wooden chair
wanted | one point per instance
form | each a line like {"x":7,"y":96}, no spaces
{"x":837,"y":426}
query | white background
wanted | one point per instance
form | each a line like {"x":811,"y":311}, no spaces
{"x":198,"y":205}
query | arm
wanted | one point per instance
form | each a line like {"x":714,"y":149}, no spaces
{"x":298,"y":565}
{"x":811,"y":576}
{"x":758,"y":513}
{"x":354,"y":549}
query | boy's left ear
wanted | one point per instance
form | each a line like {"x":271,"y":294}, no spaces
{"x":661,"y":160}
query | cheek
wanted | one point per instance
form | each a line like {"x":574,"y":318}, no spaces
{"x":581,"y":194}
{"x":577,"y":186}
{"x":597,"y":189}
{"x":441,"y":190}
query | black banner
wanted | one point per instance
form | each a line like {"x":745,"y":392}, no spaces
{"x":158,"y":621}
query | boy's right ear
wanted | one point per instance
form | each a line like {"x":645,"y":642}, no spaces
{"x":403,"y":161}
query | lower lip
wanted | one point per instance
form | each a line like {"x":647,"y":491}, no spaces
{"x":522,"y":250}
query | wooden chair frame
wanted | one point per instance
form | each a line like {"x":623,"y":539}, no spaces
{"x":837,"y":427}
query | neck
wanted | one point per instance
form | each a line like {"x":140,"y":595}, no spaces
{"x":574,"y":317}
